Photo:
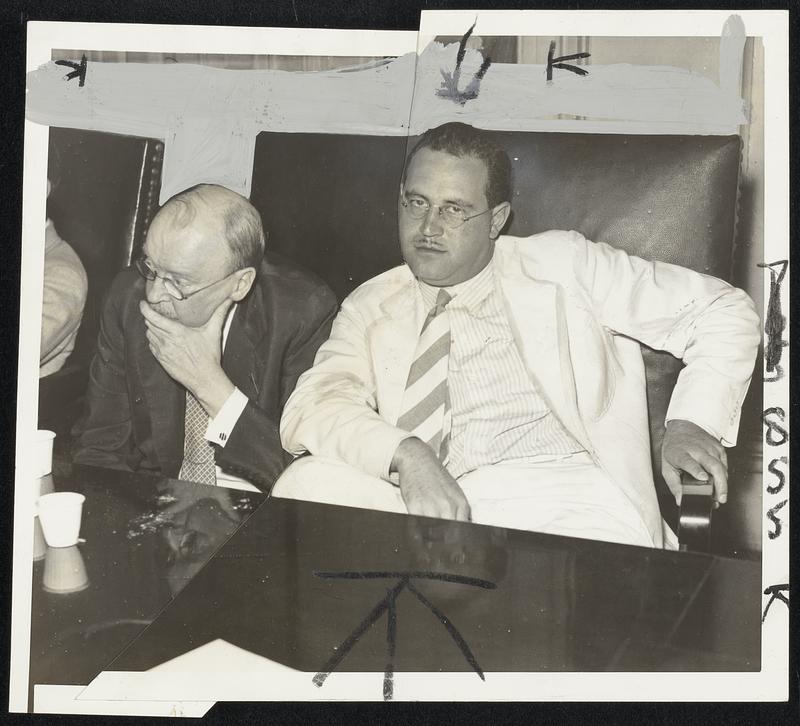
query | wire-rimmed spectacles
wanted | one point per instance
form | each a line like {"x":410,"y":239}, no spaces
{"x":148,"y":272}
{"x":452,"y":215}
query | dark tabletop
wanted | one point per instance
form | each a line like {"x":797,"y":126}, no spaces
{"x":322,"y":588}
{"x":145,"y":537}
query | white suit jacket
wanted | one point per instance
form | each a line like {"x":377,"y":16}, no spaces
{"x":577,"y":311}
{"x":63,"y":300}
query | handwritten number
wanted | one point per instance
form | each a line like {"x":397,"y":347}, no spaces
{"x":775,"y":533}
{"x":773,"y":468}
{"x":773,"y":427}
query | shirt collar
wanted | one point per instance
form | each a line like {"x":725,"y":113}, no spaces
{"x":227,"y":327}
{"x":468,"y":295}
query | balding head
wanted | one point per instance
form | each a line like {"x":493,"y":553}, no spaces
{"x":207,"y":243}
{"x":211,"y":206}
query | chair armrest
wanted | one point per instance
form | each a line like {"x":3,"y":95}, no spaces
{"x":694,"y":525}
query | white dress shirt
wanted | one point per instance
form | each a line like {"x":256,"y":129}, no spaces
{"x":220,"y":427}
{"x":498,"y":415}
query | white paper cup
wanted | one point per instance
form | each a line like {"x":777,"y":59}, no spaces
{"x":60,"y":516}
{"x":42,"y":453}
{"x":64,"y":570}
{"x":39,"y":545}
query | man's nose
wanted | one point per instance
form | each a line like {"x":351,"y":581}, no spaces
{"x":432,"y":223}
{"x":156,"y":292}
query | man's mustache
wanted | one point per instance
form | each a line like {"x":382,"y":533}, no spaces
{"x":165,"y":309}
{"x":425,"y":244}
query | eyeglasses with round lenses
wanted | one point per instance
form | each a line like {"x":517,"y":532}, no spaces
{"x":144,"y":268}
{"x":452,"y":215}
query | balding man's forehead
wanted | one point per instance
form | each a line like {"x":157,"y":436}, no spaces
{"x":210,"y":197}
{"x":182,"y":217}
{"x":209,"y":222}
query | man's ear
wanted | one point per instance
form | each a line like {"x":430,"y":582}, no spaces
{"x":499,"y":218}
{"x":244,"y":281}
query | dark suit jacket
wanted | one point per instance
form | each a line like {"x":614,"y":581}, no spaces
{"x":134,"y":417}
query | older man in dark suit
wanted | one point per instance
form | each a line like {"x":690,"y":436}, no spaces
{"x":200,"y":346}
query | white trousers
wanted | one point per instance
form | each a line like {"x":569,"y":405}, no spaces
{"x":570,"y":497}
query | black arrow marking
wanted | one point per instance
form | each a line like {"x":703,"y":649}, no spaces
{"x":776,"y":593}
{"x":775,"y":323}
{"x":413,"y":574}
{"x":78,"y":70}
{"x":391,"y":643}
{"x":558,"y":62}
{"x":454,"y":634}
{"x":449,"y":88}
{"x":389,"y":605}
{"x":347,"y":644}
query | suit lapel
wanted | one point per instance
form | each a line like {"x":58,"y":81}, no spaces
{"x":239,"y":359}
{"x":393,"y":344}
{"x":166,"y":402}
{"x":536,"y":313}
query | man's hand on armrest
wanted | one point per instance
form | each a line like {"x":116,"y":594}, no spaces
{"x":425,"y":485}
{"x":689,"y":448}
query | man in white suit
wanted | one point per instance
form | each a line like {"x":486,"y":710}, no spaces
{"x":529,"y":409}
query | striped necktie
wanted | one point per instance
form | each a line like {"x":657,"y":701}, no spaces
{"x":426,"y":404}
{"x":198,"y":455}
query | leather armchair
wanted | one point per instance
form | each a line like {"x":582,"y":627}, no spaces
{"x":105,"y":187}
{"x":694,"y":523}
{"x":329,"y":202}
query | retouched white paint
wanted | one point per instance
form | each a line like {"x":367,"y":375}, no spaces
{"x":209,"y":118}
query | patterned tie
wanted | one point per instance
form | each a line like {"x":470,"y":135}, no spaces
{"x":426,"y":402}
{"x":198,"y":454}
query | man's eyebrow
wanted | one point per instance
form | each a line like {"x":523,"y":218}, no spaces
{"x":459,"y":203}
{"x":455,"y":201}
{"x":168,"y":273}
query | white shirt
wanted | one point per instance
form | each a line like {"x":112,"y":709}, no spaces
{"x":220,"y":427}
{"x":497,"y":413}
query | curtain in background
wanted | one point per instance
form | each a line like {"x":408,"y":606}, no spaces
{"x":218,"y":60}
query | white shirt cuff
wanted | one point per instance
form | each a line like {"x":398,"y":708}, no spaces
{"x":220,"y":427}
